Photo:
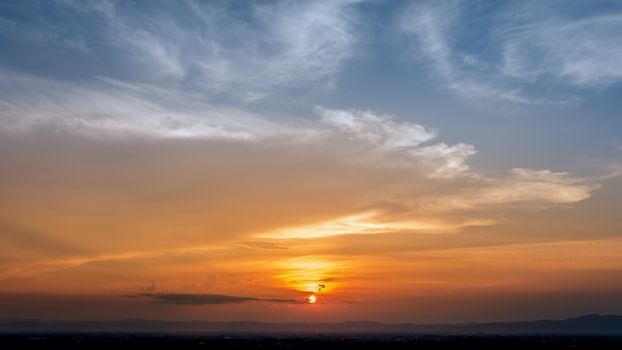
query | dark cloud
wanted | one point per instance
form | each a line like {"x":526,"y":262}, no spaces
{"x":202,"y":299}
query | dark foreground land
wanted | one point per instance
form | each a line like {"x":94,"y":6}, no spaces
{"x":385,"y":342}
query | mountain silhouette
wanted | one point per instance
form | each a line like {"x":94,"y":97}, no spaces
{"x":588,"y":324}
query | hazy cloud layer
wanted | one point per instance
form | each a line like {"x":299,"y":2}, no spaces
{"x":356,"y":172}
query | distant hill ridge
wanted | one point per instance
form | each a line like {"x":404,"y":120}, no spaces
{"x":588,"y":324}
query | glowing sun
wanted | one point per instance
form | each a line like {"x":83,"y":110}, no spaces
{"x":311,"y":299}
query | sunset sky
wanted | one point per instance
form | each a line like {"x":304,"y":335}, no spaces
{"x":402,"y":161}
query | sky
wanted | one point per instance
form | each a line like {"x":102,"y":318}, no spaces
{"x":401,"y":161}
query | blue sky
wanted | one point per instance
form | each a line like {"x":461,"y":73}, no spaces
{"x":537,"y":79}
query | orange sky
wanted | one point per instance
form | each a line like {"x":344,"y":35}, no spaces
{"x":95,"y":219}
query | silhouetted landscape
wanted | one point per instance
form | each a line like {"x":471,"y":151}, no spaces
{"x":590,"y":331}
{"x":299,"y":341}
{"x":584,"y":325}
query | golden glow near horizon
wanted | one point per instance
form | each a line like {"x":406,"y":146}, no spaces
{"x":308,"y":274}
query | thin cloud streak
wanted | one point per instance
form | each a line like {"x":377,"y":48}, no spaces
{"x":204,"y":299}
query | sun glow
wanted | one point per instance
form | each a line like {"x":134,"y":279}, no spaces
{"x":308,"y":274}
{"x":311,"y":299}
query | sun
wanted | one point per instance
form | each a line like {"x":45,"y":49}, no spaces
{"x":311,"y":299}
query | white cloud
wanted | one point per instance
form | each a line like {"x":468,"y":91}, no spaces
{"x":369,"y":223}
{"x":281,"y":45}
{"x":313,"y":39}
{"x":433,"y":25}
{"x":387,"y":135}
{"x":220,"y":50}
{"x":445,"y":160}
{"x":114,"y":108}
{"x":163,"y":75}
{"x":533,"y":186}
{"x":526,"y":43}
{"x":379,"y":129}
{"x":457,"y":204}
{"x":522,"y":188}
{"x":585,"y":52}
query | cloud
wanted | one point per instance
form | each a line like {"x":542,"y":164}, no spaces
{"x":387,"y":135}
{"x":191,"y":69}
{"x":515,"y":49}
{"x":111,"y":108}
{"x":263,"y":245}
{"x":313,"y":39}
{"x":116,"y":109}
{"x":232,"y":52}
{"x":524,"y":187}
{"x":370,"y":223}
{"x":433,"y":24}
{"x":374,"y":128}
{"x":204,"y":299}
{"x":445,"y":160}
{"x":352,"y":172}
{"x":585,"y":52}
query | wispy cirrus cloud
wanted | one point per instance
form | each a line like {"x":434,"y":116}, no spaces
{"x":583,"y":50}
{"x":114,"y":108}
{"x":433,"y":25}
{"x":385,"y":134}
{"x":222,"y":50}
{"x":116,"y":68}
{"x":516,"y":48}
